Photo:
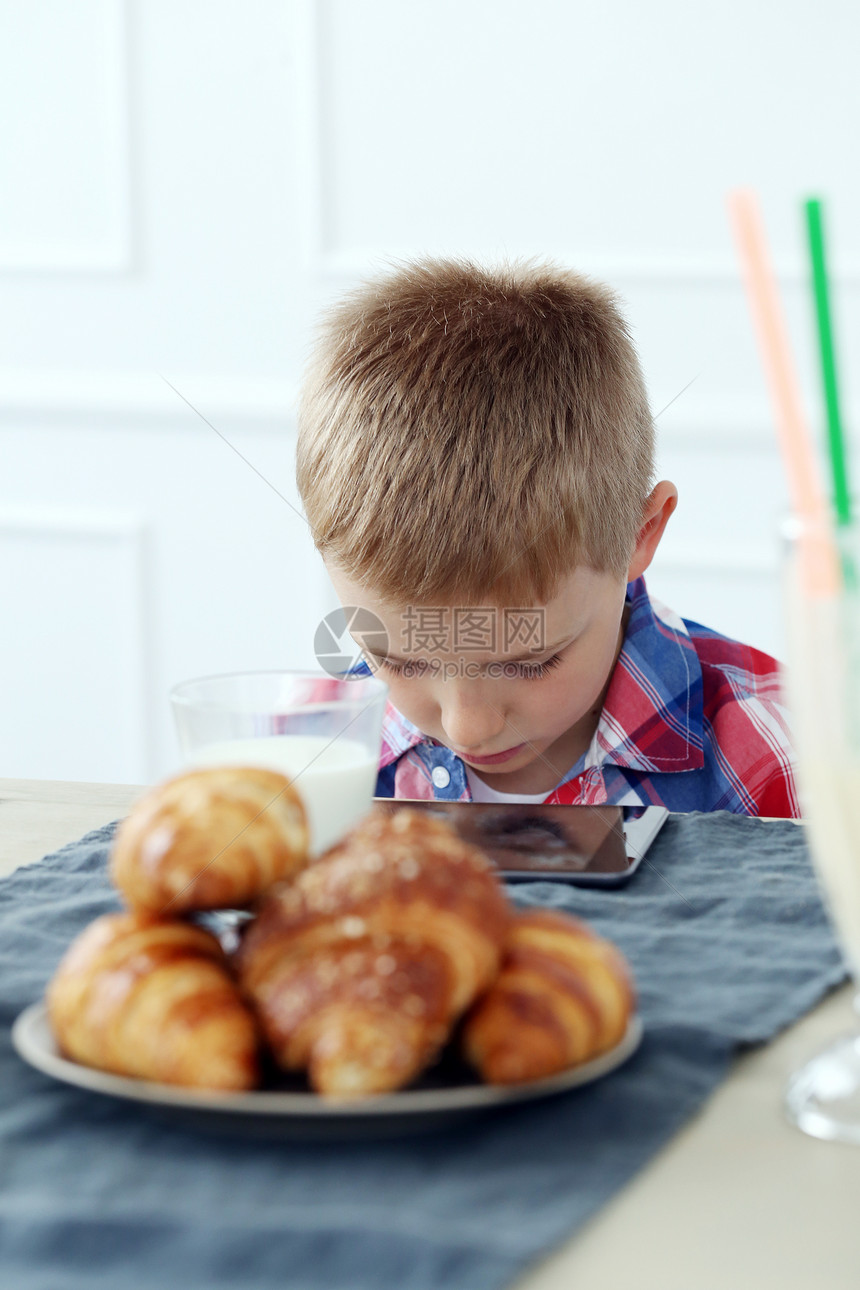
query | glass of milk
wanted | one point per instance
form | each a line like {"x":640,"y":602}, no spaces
{"x":323,"y":732}
{"x":822,"y":604}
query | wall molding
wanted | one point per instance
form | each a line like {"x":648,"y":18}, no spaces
{"x":92,"y":523}
{"x":54,"y":398}
{"x":714,"y":560}
{"x":342,"y":267}
{"x":310,"y":136}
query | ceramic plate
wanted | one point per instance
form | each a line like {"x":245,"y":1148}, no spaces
{"x":449,"y":1091}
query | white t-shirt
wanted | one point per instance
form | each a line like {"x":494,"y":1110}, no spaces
{"x":482,"y":792}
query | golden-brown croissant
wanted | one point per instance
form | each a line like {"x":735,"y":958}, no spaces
{"x":359,"y":967}
{"x":209,"y":839}
{"x":153,"y":998}
{"x":563,"y":995}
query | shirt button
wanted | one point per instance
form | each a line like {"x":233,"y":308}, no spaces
{"x":440,"y":777}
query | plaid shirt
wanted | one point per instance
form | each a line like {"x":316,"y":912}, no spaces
{"x":692,"y":721}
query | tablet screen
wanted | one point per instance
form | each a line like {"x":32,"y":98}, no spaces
{"x":525,"y":839}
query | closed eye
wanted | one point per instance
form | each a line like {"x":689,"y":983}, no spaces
{"x":420,"y":667}
{"x":533,"y":671}
{"x":411,"y":667}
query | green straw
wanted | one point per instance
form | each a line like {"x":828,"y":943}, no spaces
{"x":835,"y":437}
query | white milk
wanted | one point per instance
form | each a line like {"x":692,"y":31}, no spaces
{"x":335,"y":779}
{"x":830,"y":791}
{"x":822,"y":690}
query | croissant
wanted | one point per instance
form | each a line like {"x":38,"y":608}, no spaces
{"x":209,"y":839}
{"x":563,"y":995}
{"x":359,"y":968}
{"x":153,"y":998}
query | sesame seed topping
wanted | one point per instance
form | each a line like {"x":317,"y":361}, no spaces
{"x":353,"y":927}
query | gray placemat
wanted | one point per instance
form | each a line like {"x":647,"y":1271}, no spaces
{"x":728,"y":940}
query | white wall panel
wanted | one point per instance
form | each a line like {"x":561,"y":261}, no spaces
{"x":607,"y":134}
{"x":75,"y":698}
{"x":64,"y":142}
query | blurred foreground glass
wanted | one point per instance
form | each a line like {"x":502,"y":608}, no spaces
{"x":823,"y":685}
{"x":323,"y":732}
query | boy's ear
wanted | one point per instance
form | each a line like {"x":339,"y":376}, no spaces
{"x":658,"y":508}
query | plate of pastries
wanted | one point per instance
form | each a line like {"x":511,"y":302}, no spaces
{"x":385,"y":985}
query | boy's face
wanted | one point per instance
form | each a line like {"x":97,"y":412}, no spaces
{"x":521,"y":687}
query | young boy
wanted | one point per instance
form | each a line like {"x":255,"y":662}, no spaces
{"x":475,"y":458}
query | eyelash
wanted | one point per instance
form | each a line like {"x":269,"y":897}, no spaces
{"x":535,"y":670}
{"x":528,"y":671}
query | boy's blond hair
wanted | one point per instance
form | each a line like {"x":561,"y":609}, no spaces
{"x":471,"y":434}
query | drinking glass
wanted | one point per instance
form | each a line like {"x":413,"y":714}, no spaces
{"x":822,"y":603}
{"x":323,"y":732}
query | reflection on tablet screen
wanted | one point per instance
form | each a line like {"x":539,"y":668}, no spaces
{"x":524,"y":837}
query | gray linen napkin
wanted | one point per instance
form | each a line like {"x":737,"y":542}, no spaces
{"x":728,"y":940}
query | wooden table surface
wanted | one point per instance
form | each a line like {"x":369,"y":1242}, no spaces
{"x":738,"y":1200}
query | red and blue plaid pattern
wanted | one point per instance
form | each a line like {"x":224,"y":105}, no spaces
{"x":693,"y":721}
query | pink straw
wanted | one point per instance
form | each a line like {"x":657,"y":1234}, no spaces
{"x":801,"y":466}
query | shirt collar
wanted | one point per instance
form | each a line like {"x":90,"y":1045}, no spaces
{"x":398,"y":736}
{"x":652,"y":716}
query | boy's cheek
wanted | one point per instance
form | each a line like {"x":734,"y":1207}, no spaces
{"x":410,"y":698}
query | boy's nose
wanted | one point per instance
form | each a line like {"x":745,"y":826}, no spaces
{"x":470,"y":723}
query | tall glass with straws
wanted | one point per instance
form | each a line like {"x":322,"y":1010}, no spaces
{"x":822,"y":599}
{"x":822,"y":605}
